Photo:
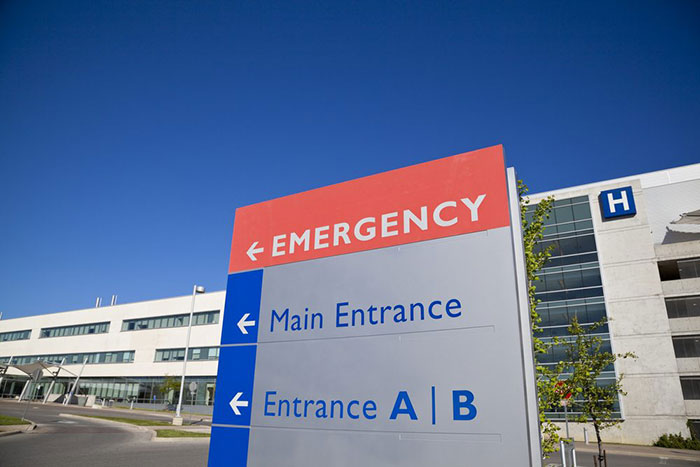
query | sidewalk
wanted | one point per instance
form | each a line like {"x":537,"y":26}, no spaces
{"x":6,"y":430}
{"x":641,"y":451}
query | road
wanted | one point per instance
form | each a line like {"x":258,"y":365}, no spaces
{"x":70,"y":442}
{"x":661,"y":457}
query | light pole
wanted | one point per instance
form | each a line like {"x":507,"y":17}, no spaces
{"x":178,"y":419}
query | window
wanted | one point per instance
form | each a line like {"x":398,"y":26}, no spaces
{"x":172,"y":321}
{"x":15,"y":335}
{"x":77,"y":358}
{"x":684,"y":307}
{"x":570,"y":283}
{"x":686,"y":346}
{"x":77,"y":330}
{"x":672,"y":270}
{"x":194,"y":354}
{"x":689,"y":268}
{"x":691,"y":387}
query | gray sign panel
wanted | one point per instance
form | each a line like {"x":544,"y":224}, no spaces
{"x":408,"y":355}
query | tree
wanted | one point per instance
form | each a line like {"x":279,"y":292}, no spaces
{"x":586,"y":361}
{"x":532,"y":219}
{"x":170,"y":383}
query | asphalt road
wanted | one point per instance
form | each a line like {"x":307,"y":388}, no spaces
{"x":65,"y":441}
{"x":585,"y":459}
{"x":72,"y":442}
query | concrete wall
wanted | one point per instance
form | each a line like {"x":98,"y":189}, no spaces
{"x":634,"y":297}
{"x":654,"y":402}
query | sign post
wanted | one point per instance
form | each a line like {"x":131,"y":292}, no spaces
{"x":380,"y":321}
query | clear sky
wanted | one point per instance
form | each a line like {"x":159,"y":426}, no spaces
{"x":130,"y":131}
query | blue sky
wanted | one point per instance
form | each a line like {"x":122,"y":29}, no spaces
{"x":130,"y":131}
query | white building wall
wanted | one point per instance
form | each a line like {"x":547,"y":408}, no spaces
{"x":634,"y":297}
{"x":143,"y":342}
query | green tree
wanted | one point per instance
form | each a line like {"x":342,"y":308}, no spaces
{"x":170,"y":383}
{"x":532,"y":219}
{"x":595,"y":402}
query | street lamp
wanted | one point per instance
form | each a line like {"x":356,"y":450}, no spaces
{"x":178,"y":419}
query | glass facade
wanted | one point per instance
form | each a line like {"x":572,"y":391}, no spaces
{"x":570,"y":284}
{"x":15,"y":335}
{"x":77,"y":330}
{"x":171,"y":321}
{"x":117,"y":391}
{"x":120,"y":356}
{"x":195,"y":353}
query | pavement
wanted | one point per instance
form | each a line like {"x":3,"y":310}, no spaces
{"x":64,"y":437}
{"x":63,"y":441}
{"x":627,"y":455}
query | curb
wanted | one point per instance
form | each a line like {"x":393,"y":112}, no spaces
{"x":153,"y":435}
{"x":31,"y":427}
{"x":111,"y":422}
{"x":200,"y":439}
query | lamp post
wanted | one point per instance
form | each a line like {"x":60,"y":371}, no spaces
{"x":178,"y":419}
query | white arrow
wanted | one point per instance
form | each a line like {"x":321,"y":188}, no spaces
{"x":252,"y":251}
{"x":235,"y":403}
{"x":243,"y":324}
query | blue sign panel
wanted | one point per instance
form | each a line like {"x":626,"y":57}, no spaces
{"x":242,"y":308}
{"x":233,"y":399}
{"x":617,"y":202}
{"x":228,"y":446}
{"x":234,"y":394}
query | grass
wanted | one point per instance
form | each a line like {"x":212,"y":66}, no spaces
{"x":133,"y":421}
{"x":7,"y":420}
{"x":181,"y":434}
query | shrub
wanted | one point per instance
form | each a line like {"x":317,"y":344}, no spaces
{"x":677,"y":442}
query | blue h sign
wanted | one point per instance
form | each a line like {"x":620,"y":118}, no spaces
{"x":617,"y":202}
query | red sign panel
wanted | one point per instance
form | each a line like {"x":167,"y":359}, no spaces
{"x":451,"y":196}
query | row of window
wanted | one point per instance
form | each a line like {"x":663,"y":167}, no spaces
{"x":197,"y":353}
{"x":171,"y":321}
{"x":15,"y":335}
{"x":75,"y":358}
{"x":576,"y":279}
{"x":162,"y":355}
{"x":557,"y":353}
{"x":78,"y":330}
{"x":572,"y":259}
{"x":138,"y":389}
{"x":588,"y":310}
{"x":570,"y":294}
{"x":578,"y":227}
{"x":568,"y":246}
{"x":565,"y":210}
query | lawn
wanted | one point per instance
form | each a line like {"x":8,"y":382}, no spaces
{"x":7,"y":420}
{"x":133,"y":421}
{"x":181,"y":434}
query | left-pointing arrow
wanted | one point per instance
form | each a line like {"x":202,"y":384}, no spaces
{"x":243,"y":324}
{"x":236,"y":403}
{"x":252,"y":251}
